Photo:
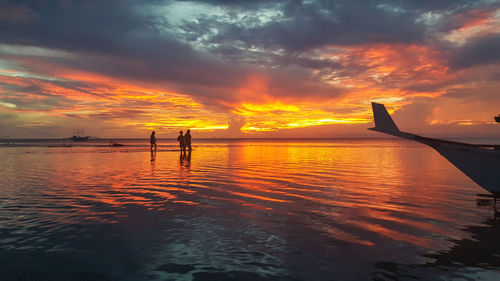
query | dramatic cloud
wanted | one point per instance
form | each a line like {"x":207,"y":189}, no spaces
{"x":246,"y":68}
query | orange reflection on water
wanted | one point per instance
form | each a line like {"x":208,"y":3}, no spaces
{"x":357,"y":191}
{"x":368,"y":190}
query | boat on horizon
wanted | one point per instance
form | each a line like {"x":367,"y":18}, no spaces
{"x":76,"y":136}
{"x":480,"y":162}
{"x":79,"y":138}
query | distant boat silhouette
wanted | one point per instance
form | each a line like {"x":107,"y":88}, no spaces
{"x":76,"y":136}
{"x":479,"y":162}
{"x":497,"y":118}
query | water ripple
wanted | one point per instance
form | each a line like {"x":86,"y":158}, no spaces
{"x":249,"y":210}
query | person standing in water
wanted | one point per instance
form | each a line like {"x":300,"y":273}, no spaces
{"x":152,"y":139}
{"x":182,"y":142}
{"x":187,"y":139}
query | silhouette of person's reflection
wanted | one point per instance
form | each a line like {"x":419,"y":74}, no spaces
{"x":184,"y":166}
{"x":188,"y":159}
{"x":185,"y":158}
{"x":153,"y":162}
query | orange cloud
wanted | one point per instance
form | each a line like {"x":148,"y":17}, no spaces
{"x":393,"y":74}
{"x":477,"y":17}
{"x":393,"y":65}
{"x":114,"y":103}
{"x":278,"y":115}
{"x":473,"y":24}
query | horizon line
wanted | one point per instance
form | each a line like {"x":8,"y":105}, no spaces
{"x":243,"y":138}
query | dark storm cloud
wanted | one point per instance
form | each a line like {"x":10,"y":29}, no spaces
{"x":488,"y":93}
{"x":231,"y":3}
{"x":78,"y":25}
{"x":342,"y":24}
{"x":481,"y":51}
{"x":424,"y":5}
{"x":107,"y":26}
{"x":11,"y":13}
{"x":116,"y":40}
{"x":311,"y":24}
{"x":315,"y":24}
{"x":268,"y":59}
{"x":160,"y":59}
{"x":213,"y":55}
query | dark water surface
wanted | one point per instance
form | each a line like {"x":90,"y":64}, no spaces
{"x":242,"y":210}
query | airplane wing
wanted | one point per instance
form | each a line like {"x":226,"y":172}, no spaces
{"x":385,"y":124}
{"x":480,"y":162}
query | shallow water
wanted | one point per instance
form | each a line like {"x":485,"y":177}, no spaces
{"x":241,"y":210}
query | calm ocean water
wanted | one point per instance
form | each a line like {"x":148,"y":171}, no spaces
{"x":340,"y":209}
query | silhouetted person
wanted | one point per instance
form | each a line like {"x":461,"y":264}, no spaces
{"x":187,"y":139}
{"x":152,"y":139}
{"x":182,"y":142}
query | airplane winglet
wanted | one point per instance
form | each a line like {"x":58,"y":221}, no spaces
{"x":383,"y":121}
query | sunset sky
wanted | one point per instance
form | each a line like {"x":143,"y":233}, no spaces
{"x":248,"y":68}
